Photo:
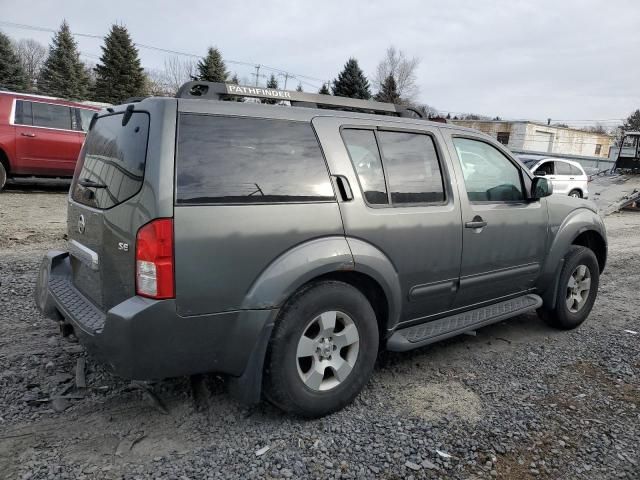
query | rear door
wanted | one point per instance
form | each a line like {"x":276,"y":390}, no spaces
{"x":562,"y":179}
{"x":403,"y":204}
{"x":504,"y":235}
{"x":102,"y":217}
{"x":46,"y":143}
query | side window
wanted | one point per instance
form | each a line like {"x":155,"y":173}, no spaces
{"x":489,"y":176}
{"x":365,"y":157}
{"x":51,"y":116}
{"x":575,"y":171}
{"x":84,"y":119}
{"x":248,"y":160}
{"x":562,"y":168}
{"x":546,"y":167}
{"x":23,"y":113}
{"x":412,"y":167}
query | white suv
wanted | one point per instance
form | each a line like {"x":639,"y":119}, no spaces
{"x":567,"y":177}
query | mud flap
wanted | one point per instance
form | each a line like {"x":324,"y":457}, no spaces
{"x":42,"y":296}
{"x":247,"y":388}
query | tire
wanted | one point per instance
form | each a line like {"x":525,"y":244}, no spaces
{"x":569,"y":312}
{"x":309,"y":385}
{"x":3,"y":176}
{"x":575,"y":193}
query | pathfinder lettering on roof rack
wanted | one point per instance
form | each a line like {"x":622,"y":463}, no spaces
{"x":238,"y":90}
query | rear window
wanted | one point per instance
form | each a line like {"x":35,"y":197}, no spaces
{"x":247,"y":160}
{"x":112,"y":161}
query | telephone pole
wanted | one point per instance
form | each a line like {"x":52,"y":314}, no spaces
{"x":257,"y":74}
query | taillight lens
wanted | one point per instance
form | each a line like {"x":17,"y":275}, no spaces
{"x":154,"y":259}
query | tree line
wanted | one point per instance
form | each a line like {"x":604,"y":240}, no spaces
{"x":27,"y":66}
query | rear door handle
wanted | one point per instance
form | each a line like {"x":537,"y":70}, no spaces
{"x":477,"y":222}
{"x":344,"y":188}
{"x":31,"y":135}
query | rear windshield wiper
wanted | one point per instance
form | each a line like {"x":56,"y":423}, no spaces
{"x":91,"y":184}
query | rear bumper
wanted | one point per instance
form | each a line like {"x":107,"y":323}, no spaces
{"x":145,"y":339}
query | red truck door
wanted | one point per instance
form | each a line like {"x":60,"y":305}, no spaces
{"x":46,"y":144}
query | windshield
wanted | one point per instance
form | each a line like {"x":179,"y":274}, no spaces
{"x":111,"y":165}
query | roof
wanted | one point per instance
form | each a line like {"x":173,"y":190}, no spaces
{"x":632,"y":134}
{"x":48,"y":99}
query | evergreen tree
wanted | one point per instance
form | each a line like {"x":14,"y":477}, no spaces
{"x":299,"y":88}
{"x":388,"y":91}
{"x":119,"y":74}
{"x":633,"y":122}
{"x":234,"y":79}
{"x":272,"y":82}
{"x":324,"y":90}
{"x":212,"y":68}
{"x":351,"y":82}
{"x":63,"y":74}
{"x":12,"y":75}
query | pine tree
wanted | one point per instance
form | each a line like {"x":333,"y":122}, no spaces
{"x":272,"y":82}
{"x":119,"y":74}
{"x":63,"y":74}
{"x":234,"y":79}
{"x":299,"y":88}
{"x":388,"y":91}
{"x":12,"y":75}
{"x":212,"y":68}
{"x":633,"y":122}
{"x":351,"y":82}
{"x":324,"y":90}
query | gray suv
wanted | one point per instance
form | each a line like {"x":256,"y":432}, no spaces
{"x":285,"y":246}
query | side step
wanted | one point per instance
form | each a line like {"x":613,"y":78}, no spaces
{"x":436,"y":330}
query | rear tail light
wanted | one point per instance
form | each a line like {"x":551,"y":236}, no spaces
{"x":154,"y":259}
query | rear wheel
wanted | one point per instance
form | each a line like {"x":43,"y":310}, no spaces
{"x":575,"y":193}
{"x":577,"y":290}
{"x":323,"y":350}
{"x":3,"y":176}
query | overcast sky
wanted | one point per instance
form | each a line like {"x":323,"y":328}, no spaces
{"x":568,"y":60}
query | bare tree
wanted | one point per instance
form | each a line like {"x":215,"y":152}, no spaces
{"x":403,"y":70}
{"x":31,"y":55}
{"x":179,"y":71}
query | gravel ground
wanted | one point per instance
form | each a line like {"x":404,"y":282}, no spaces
{"x":518,"y":400}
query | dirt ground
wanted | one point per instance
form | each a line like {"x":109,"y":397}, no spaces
{"x":518,"y":400}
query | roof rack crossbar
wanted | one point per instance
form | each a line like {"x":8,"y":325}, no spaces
{"x":225,"y":91}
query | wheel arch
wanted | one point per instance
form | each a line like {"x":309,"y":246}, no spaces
{"x":4,"y":160}
{"x":580,"y":227}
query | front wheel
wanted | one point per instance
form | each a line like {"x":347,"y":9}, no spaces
{"x":577,"y":290}
{"x":323,"y":350}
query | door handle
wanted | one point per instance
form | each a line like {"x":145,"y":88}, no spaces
{"x":477,"y":222}
{"x":344,"y":188}
{"x":571,"y":178}
{"x":31,"y":135}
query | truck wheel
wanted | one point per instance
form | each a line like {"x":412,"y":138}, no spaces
{"x":575,"y":193}
{"x":3,"y":176}
{"x":323,"y":350}
{"x":577,"y":290}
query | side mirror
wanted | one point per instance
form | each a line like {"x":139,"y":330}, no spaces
{"x":539,"y":173}
{"x":540,"y":187}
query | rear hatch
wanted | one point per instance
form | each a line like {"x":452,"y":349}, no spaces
{"x":102,"y":212}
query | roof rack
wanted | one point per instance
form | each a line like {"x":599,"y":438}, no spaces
{"x":228,"y":91}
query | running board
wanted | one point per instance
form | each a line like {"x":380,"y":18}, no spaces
{"x":436,"y":330}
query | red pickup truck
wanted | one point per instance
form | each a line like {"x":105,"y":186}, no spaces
{"x":40,"y":136}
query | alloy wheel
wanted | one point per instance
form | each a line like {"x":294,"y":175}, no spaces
{"x":327,"y":350}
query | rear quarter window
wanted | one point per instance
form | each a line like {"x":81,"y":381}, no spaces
{"x":113,"y":157}
{"x":248,"y":160}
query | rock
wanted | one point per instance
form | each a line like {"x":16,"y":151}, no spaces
{"x":60,"y":404}
{"x":412,"y":466}
{"x":429,"y":465}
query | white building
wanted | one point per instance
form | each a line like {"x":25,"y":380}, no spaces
{"x":538,"y":137}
